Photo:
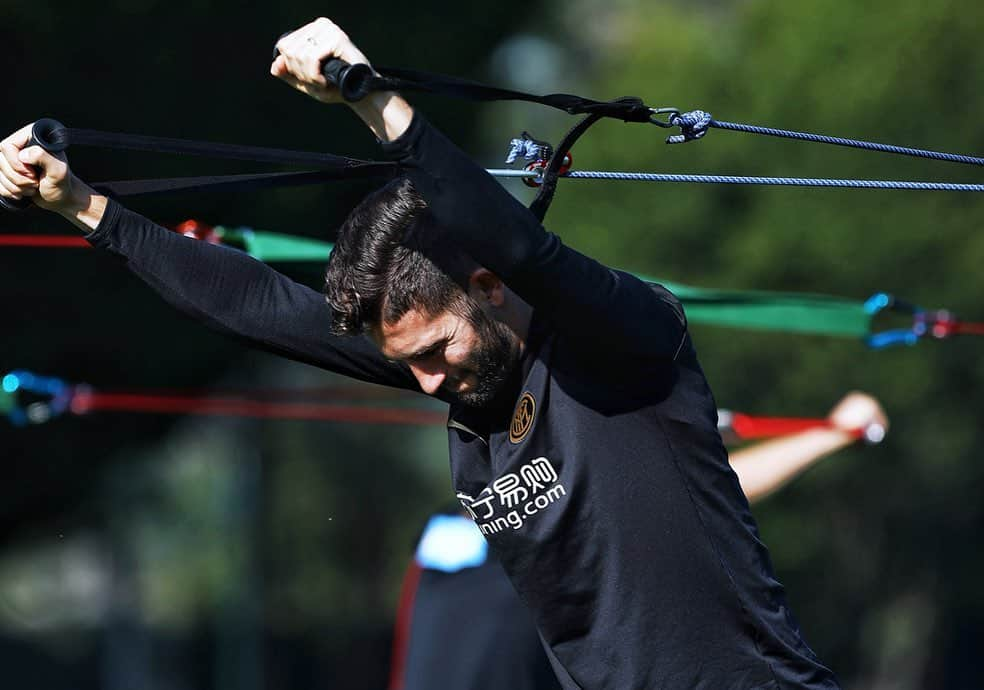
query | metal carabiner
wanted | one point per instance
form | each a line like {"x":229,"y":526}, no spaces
{"x":52,"y":397}
{"x":671,"y":114}
{"x":883,"y":301}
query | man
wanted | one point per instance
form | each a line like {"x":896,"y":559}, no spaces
{"x":452,"y":571}
{"x":582,"y":431}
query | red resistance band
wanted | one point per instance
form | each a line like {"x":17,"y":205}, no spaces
{"x":944,"y":330}
{"x":85,"y":402}
{"x":43,"y":241}
{"x":189,"y":228}
{"x":747,"y":427}
{"x":401,"y":630}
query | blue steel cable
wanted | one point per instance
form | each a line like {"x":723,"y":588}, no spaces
{"x":746,"y":180}
{"x":694,"y":124}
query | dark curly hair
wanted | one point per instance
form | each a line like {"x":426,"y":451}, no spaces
{"x":388,"y":258}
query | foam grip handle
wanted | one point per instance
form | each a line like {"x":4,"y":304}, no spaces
{"x":52,"y":136}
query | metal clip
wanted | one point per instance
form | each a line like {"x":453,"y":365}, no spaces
{"x":671,"y":114}
{"x":33,"y":399}
{"x":938,"y":324}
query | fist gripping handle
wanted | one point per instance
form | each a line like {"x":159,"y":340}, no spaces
{"x":352,"y":80}
{"x":52,"y":136}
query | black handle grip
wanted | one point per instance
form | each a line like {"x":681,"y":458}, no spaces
{"x":354,"y":81}
{"x":52,"y":136}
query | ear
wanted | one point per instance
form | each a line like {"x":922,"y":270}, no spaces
{"x":485,"y":287}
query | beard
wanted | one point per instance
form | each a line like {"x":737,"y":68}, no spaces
{"x":493,"y":360}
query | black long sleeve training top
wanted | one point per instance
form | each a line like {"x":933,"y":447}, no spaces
{"x":605,"y":492}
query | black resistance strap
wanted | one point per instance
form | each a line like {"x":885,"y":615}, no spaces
{"x":355,"y":82}
{"x":54,"y":137}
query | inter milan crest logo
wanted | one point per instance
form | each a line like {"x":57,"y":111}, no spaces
{"x":522,"y":420}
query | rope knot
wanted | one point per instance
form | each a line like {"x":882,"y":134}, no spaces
{"x":693,"y":125}
{"x":528,"y":148}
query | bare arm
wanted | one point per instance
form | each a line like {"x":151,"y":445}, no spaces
{"x":766,"y":467}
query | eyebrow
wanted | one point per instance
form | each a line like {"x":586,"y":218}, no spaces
{"x":426,"y":349}
{"x":419,"y":352}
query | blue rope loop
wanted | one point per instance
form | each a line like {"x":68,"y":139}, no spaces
{"x":528,"y":148}
{"x":693,"y":126}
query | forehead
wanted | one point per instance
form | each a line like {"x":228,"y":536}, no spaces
{"x":414,"y":332}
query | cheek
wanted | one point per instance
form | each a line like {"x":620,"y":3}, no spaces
{"x":458,"y":356}
{"x":463,"y":348}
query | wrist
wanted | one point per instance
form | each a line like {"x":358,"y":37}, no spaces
{"x":386,"y":113}
{"x":84,"y":208}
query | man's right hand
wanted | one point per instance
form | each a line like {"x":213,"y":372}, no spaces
{"x":30,"y":172}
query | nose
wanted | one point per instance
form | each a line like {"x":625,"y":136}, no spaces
{"x":429,"y":380}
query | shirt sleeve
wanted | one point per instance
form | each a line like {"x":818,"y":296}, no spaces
{"x":608,"y":309}
{"x":235,"y":294}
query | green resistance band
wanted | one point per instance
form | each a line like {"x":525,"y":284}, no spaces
{"x":755,"y":309}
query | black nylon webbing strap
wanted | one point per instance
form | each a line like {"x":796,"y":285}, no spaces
{"x":330,"y":167}
{"x":238,"y":183}
{"x":357,"y":81}
{"x":396,"y":79}
{"x":551,"y":175}
{"x":259,"y":154}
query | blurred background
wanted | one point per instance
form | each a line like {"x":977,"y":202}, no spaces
{"x":181,"y":553}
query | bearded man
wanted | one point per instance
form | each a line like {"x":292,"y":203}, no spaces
{"x":582,"y":431}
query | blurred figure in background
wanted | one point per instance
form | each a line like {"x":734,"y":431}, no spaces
{"x":460,"y":622}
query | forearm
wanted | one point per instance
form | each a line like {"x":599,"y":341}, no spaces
{"x":234,"y":293}
{"x":765,"y":467}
